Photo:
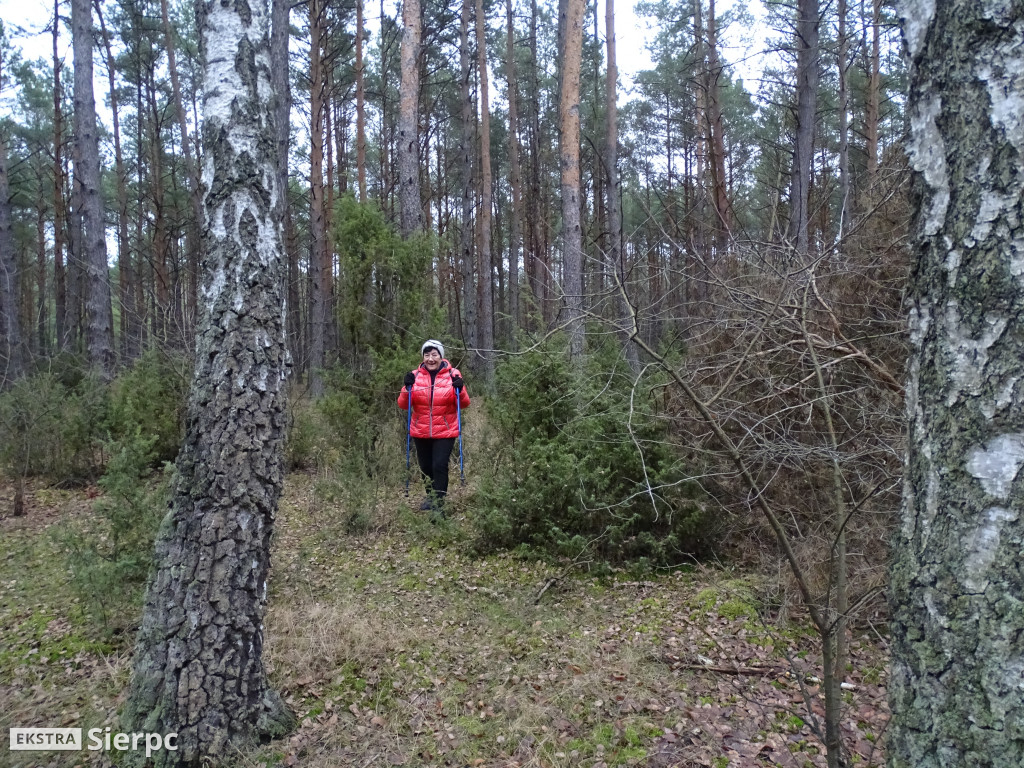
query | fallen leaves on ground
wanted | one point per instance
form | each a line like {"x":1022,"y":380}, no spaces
{"x":398,"y":647}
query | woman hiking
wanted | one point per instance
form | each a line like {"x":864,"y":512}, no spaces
{"x":437,"y":392}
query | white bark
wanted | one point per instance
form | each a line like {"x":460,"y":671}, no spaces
{"x":957,"y":685}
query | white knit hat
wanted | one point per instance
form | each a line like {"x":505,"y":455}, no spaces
{"x":432,"y":343}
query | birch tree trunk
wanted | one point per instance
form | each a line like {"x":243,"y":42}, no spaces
{"x":569,"y":160}
{"x":410,"y":208}
{"x":957,"y":593}
{"x":198,"y":667}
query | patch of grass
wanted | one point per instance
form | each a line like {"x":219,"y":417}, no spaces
{"x":398,"y":645}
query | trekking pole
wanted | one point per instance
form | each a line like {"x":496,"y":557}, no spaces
{"x":458,"y":411}
{"x":408,"y":441}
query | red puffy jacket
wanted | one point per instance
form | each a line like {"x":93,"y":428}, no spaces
{"x":434,"y":413}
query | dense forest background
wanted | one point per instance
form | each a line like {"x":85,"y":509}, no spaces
{"x":678,"y":307}
{"x":724,"y":268}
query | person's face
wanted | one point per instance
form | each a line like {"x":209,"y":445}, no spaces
{"x":432,"y":359}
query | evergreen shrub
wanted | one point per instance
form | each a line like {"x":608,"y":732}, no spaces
{"x":149,"y":399}
{"x":583,"y":462}
{"x":52,"y":426}
{"x":60,"y":423}
{"x":110,"y":559}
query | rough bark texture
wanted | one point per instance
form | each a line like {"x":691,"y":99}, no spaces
{"x":569,"y":156}
{"x":616,"y":262}
{"x":198,"y":661}
{"x":538,"y":269}
{"x":410,"y":207}
{"x":320,"y":276}
{"x":807,"y":62}
{"x":280,"y":26}
{"x":466,"y":219}
{"x":957,"y":687}
{"x":716,"y":139}
{"x":485,"y":283}
{"x":98,"y":311}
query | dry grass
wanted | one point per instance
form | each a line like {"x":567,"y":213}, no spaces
{"x":397,"y":647}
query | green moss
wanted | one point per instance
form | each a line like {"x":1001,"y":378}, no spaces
{"x":734,"y":609}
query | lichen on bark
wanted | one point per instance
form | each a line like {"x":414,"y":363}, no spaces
{"x":198,"y":668}
{"x":957,"y":592}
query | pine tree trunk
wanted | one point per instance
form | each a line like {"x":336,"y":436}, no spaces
{"x":128,"y":315}
{"x":193,"y":244}
{"x":10,"y":328}
{"x":98,"y":311}
{"x":716,"y":139}
{"x":540,"y":277}
{"x":485,"y":279}
{"x":467,"y":254}
{"x":59,"y":277}
{"x":317,"y":214}
{"x":569,"y":161}
{"x":144,"y":271}
{"x":807,"y":58}
{"x":845,"y":207}
{"x":957,"y":587}
{"x":280,"y":24}
{"x":198,"y":667}
{"x":874,"y":86}
{"x":42,"y":314}
{"x":410,"y":206}
{"x":360,"y":106}
{"x":515,"y":176}
{"x":616,"y":265}
{"x":162,"y":289}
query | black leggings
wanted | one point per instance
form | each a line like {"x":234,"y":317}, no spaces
{"x":434,"y":453}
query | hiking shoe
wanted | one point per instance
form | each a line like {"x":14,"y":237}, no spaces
{"x":427,"y":505}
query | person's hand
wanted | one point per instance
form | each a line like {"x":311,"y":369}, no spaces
{"x":410,"y":379}
{"x":457,"y":382}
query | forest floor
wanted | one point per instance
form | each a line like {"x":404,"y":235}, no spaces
{"x":395,"y":646}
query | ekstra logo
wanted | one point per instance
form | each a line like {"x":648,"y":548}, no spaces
{"x":70,"y":739}
{"x":46,"y":739}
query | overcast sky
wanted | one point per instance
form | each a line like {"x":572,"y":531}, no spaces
{"x":631,"y":35}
